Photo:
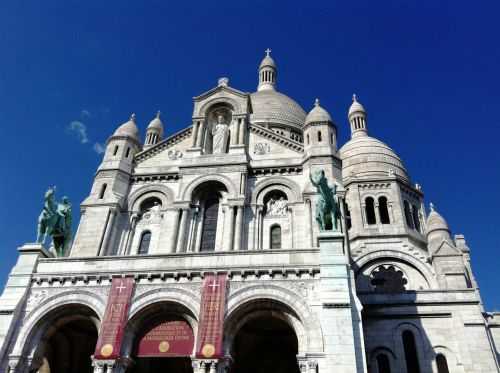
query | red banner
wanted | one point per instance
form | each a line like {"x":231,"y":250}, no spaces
{"x":168,"y":338}
{"x":115,"y":317}
{"x":210,"y":328}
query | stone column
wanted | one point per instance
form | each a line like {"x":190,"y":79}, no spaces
{"x":239,"y":228}
{"x":199,"y":228}
{"x":230,"y":226}
{"x":194,"y":134}
{"x":201,"y":132}
{"x":130,"y":235}
{"x":104,"y":250}
{"x":213,"y":366}
{"x":260,"y":228}
{"x":312,"y":366}
{"x":198,"y":365}
{"x":182,"y":231}
{"x":292,"y":231}
{"x":241,"y":132}
{"x":193,"y":218}
{"x":234,"y":132}
{"x":174,"y":235}
{"x":309,"y":223}
{"x":302,"y":362}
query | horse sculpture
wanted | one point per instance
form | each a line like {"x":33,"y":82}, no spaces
{"x":327,"y":206}
{"x":55,"y":221}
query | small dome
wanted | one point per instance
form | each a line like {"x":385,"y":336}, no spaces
{"x":267,"y":60}
{"x":356,"y":106}
{"x":367,"y":157}
{"x":128,"y":129}
{"x":318,"y":114}
{"x":270,"y":106}
{"x":156,"y":123}
{"x":435,"y":222}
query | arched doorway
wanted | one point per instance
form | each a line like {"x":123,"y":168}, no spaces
{"x":163,"y":339}
{"x":65,"y":341}
{"x":264,"y":339}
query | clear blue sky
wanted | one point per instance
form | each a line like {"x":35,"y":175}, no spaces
{"x":426,"y":71}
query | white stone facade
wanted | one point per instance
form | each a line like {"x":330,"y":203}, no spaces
{"x":348,"y":296}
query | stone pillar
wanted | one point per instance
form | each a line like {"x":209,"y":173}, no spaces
{"x":14,"y":295}
{"x":261,"y":227}
{"x":302,"y":362}
{"x":309,"y":223}
{"x":338,"y":308}
{"x":234,"y":132}
{"x":241,"y":132}
{"x":213,"y":366}
{"x":196,"y":125}
{"x":175,"y":228}
{"x":199,"y":231}
{"x":99,"y":366}
{"x":230,"y":227}
{"x":130,"y":235}
{"x":104,"y":250}
{"x":312,"y":366}
{"x":182,"y":231}
{"x":292,"y":231}
{"x":200,"y":135}
{"x":239,"y":228}
{"x":199,"y":366}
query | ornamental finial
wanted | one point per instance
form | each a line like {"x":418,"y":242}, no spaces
{"x":158,"y":113}
{"x":316,"y":102}
{"x":431,"y":205}
{"x":268,"y":52}
{"x":354,"y":97}
{"x":132,"y":117}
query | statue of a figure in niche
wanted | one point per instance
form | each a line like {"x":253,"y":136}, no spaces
{"x":55,"y":221}
{"x":327,"y":205}
{"x":220,"y":135}
{"x":276,"y":207}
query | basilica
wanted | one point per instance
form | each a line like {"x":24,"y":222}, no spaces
{"x":250,"y":242}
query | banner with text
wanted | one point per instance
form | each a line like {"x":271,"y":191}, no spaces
{"x":167,"y":338}
{"x":115,"y":317}
{"x":210,"y":328}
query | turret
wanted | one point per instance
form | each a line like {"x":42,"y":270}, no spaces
{"x":437,"y":229}
{"x":357,"y":118}
{"x":154,"y":132}
{"x":267,"y":73}
{"x":320,"y":133}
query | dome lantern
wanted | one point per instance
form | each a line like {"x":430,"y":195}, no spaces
{"x":357,"y":118}
{"x":154,"y":132}
{"x":267,"y":73}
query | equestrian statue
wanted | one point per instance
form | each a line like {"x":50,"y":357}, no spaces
{"x":327,"y":205}
{"x":55,"y":221}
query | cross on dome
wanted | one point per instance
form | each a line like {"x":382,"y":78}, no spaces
{"x":132,"y":117}
{"x":316,"y":102}
{"x":354,"y":97}
{"x":158,"y":113}
{"x":268,"y":52}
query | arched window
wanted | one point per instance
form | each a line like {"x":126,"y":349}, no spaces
{"x":319,"y":136}
{"x":442,"y":364}
{"x":103,"y":190}
{"x":383,"y":210}
{"x":308,"y":139}
{"x":388,"y":279}
{"x":347,"y":216}
{"x":144,"y":244}
{"x":370,"y":211}
{"x":128,"y":152}
{"x":331,"y":138}
{"x":275,"y":237}
{"x":115,"y":150}
{"x":410,"y":349}
{"x":149,"y":203}
{"x":409,"y":220}
{"x":383,"y":364}
{"x":210,"y":217}
{"x":416,"y":220}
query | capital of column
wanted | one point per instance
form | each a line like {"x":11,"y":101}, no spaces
{"x":14,"y":363}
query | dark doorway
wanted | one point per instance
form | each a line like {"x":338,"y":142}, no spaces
{"x":162,"y":364}
{"x":265,"y":345}
{"x":71,"y":347}
{"x":210,"y":223}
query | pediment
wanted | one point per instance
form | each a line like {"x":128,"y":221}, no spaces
{"x":264,"y":144}
{"x":447,"y":249}
{"x":222,"y":94}
{"x":167,"y":151}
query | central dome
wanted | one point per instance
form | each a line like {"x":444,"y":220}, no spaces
{"x":270,"y":106}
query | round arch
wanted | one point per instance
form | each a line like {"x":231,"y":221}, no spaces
{"x":187,"y":194}
{"x":162,"y":192}
{"x":206,"y":106}
{"x":37,"y":322}
{"x":303,"y":322}
{"x":426,"y":272}
{"x":289,"y":187}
